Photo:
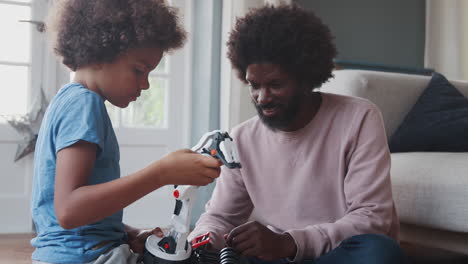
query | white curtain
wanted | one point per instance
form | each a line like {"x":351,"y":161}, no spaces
{"x":277,"y":2}
{"x":446,"y":48}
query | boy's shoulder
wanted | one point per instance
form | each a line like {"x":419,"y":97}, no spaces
{"x":76,"y":91}
{"x":75,"y":95}
{"x":74,"y":102}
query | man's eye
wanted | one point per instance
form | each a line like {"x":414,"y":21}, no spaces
{"x":275,"y":85}
{"x":253,"y":86}
{"x":138,"y":71}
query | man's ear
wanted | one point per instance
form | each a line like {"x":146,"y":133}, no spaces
{"x":96,"y":66}
{"x":305,"y":87}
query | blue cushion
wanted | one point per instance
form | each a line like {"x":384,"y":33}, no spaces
{"x":437,"y":122}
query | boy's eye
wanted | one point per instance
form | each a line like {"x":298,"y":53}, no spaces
{"x":138,"y":71}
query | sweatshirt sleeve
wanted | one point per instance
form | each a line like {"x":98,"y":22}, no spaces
{"x":230,"y":206}
{"x":367,"y":190}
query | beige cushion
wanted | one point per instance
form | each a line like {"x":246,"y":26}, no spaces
{"x":431,"y":189}
{"x":394,"y":93}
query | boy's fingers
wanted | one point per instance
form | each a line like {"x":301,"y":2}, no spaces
{"x":213,"y":173}
{"x":211,"y":162}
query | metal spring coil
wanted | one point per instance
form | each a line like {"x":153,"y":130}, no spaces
{"x":228,"y":255}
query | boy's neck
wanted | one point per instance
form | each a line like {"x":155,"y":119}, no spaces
{"x":84,"y":76}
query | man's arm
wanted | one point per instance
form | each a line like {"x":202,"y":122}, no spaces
{"x":367,"y":189}
{"x":229,"y":206}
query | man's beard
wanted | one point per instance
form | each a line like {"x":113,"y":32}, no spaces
{"x":287,"y":115}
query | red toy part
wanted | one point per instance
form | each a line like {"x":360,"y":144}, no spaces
{"x":201,"y":240}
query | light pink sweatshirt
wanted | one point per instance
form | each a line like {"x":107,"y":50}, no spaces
{"x":322,"y":184}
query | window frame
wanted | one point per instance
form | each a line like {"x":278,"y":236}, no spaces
{"x":54,"y":75}
{"x":40,"y":58}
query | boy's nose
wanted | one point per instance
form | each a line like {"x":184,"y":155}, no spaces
{"x":145,"y":85}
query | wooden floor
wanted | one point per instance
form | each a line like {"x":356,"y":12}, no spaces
{"x":15,"y":249}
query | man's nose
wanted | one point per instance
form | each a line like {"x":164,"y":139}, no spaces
{"x":264,"y":96}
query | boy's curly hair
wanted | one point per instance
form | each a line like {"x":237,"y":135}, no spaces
{"x":98,"y":31}
{"x":286,"y":35}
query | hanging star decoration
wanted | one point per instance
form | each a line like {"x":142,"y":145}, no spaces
{"x":28,"y":126}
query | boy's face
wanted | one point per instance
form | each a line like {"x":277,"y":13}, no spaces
{"x":122,"y":81}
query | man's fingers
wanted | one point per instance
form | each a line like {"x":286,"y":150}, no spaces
{"x":157,"y":232}
{"x":242,"y":246}
{"x":246,"y":237}
{"x":236,"y":231}
{"x":232,"y":234}
{"x":250,"y":252}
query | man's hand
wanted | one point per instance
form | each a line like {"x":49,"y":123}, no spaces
{"x":137,"y":238}
{"x":255,"y":239}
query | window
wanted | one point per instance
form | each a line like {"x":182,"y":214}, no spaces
{"x":150,"y":110}
{"x":15,"y":56}
{"x":22,"y":70}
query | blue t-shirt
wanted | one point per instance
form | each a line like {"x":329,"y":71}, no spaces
{"x":74,"y":114}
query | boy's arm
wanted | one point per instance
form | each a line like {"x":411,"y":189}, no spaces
{"x":77,"y":203}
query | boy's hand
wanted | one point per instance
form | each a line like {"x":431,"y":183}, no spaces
{"x":137,"y":238}
{"x":185,"y":167}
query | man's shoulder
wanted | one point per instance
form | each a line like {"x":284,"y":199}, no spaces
{"x":349,"y":104}
{"x":250,"y":125}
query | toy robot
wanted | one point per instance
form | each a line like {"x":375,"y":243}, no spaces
{"x":173,"y":247}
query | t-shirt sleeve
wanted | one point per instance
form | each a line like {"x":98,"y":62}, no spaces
{"x":81,"y":118}
{"x":367,"y":190}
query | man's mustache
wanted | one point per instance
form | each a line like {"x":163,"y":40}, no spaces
{"x":267,"y":106}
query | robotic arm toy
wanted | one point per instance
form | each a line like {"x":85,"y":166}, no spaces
{"x":174,"y":247}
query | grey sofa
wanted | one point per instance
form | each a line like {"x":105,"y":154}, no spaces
{"x":430,"y":188}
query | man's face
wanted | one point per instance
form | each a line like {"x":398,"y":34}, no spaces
{"x":275,"y":94}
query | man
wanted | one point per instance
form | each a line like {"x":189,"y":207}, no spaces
{"x":315,"y":165}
